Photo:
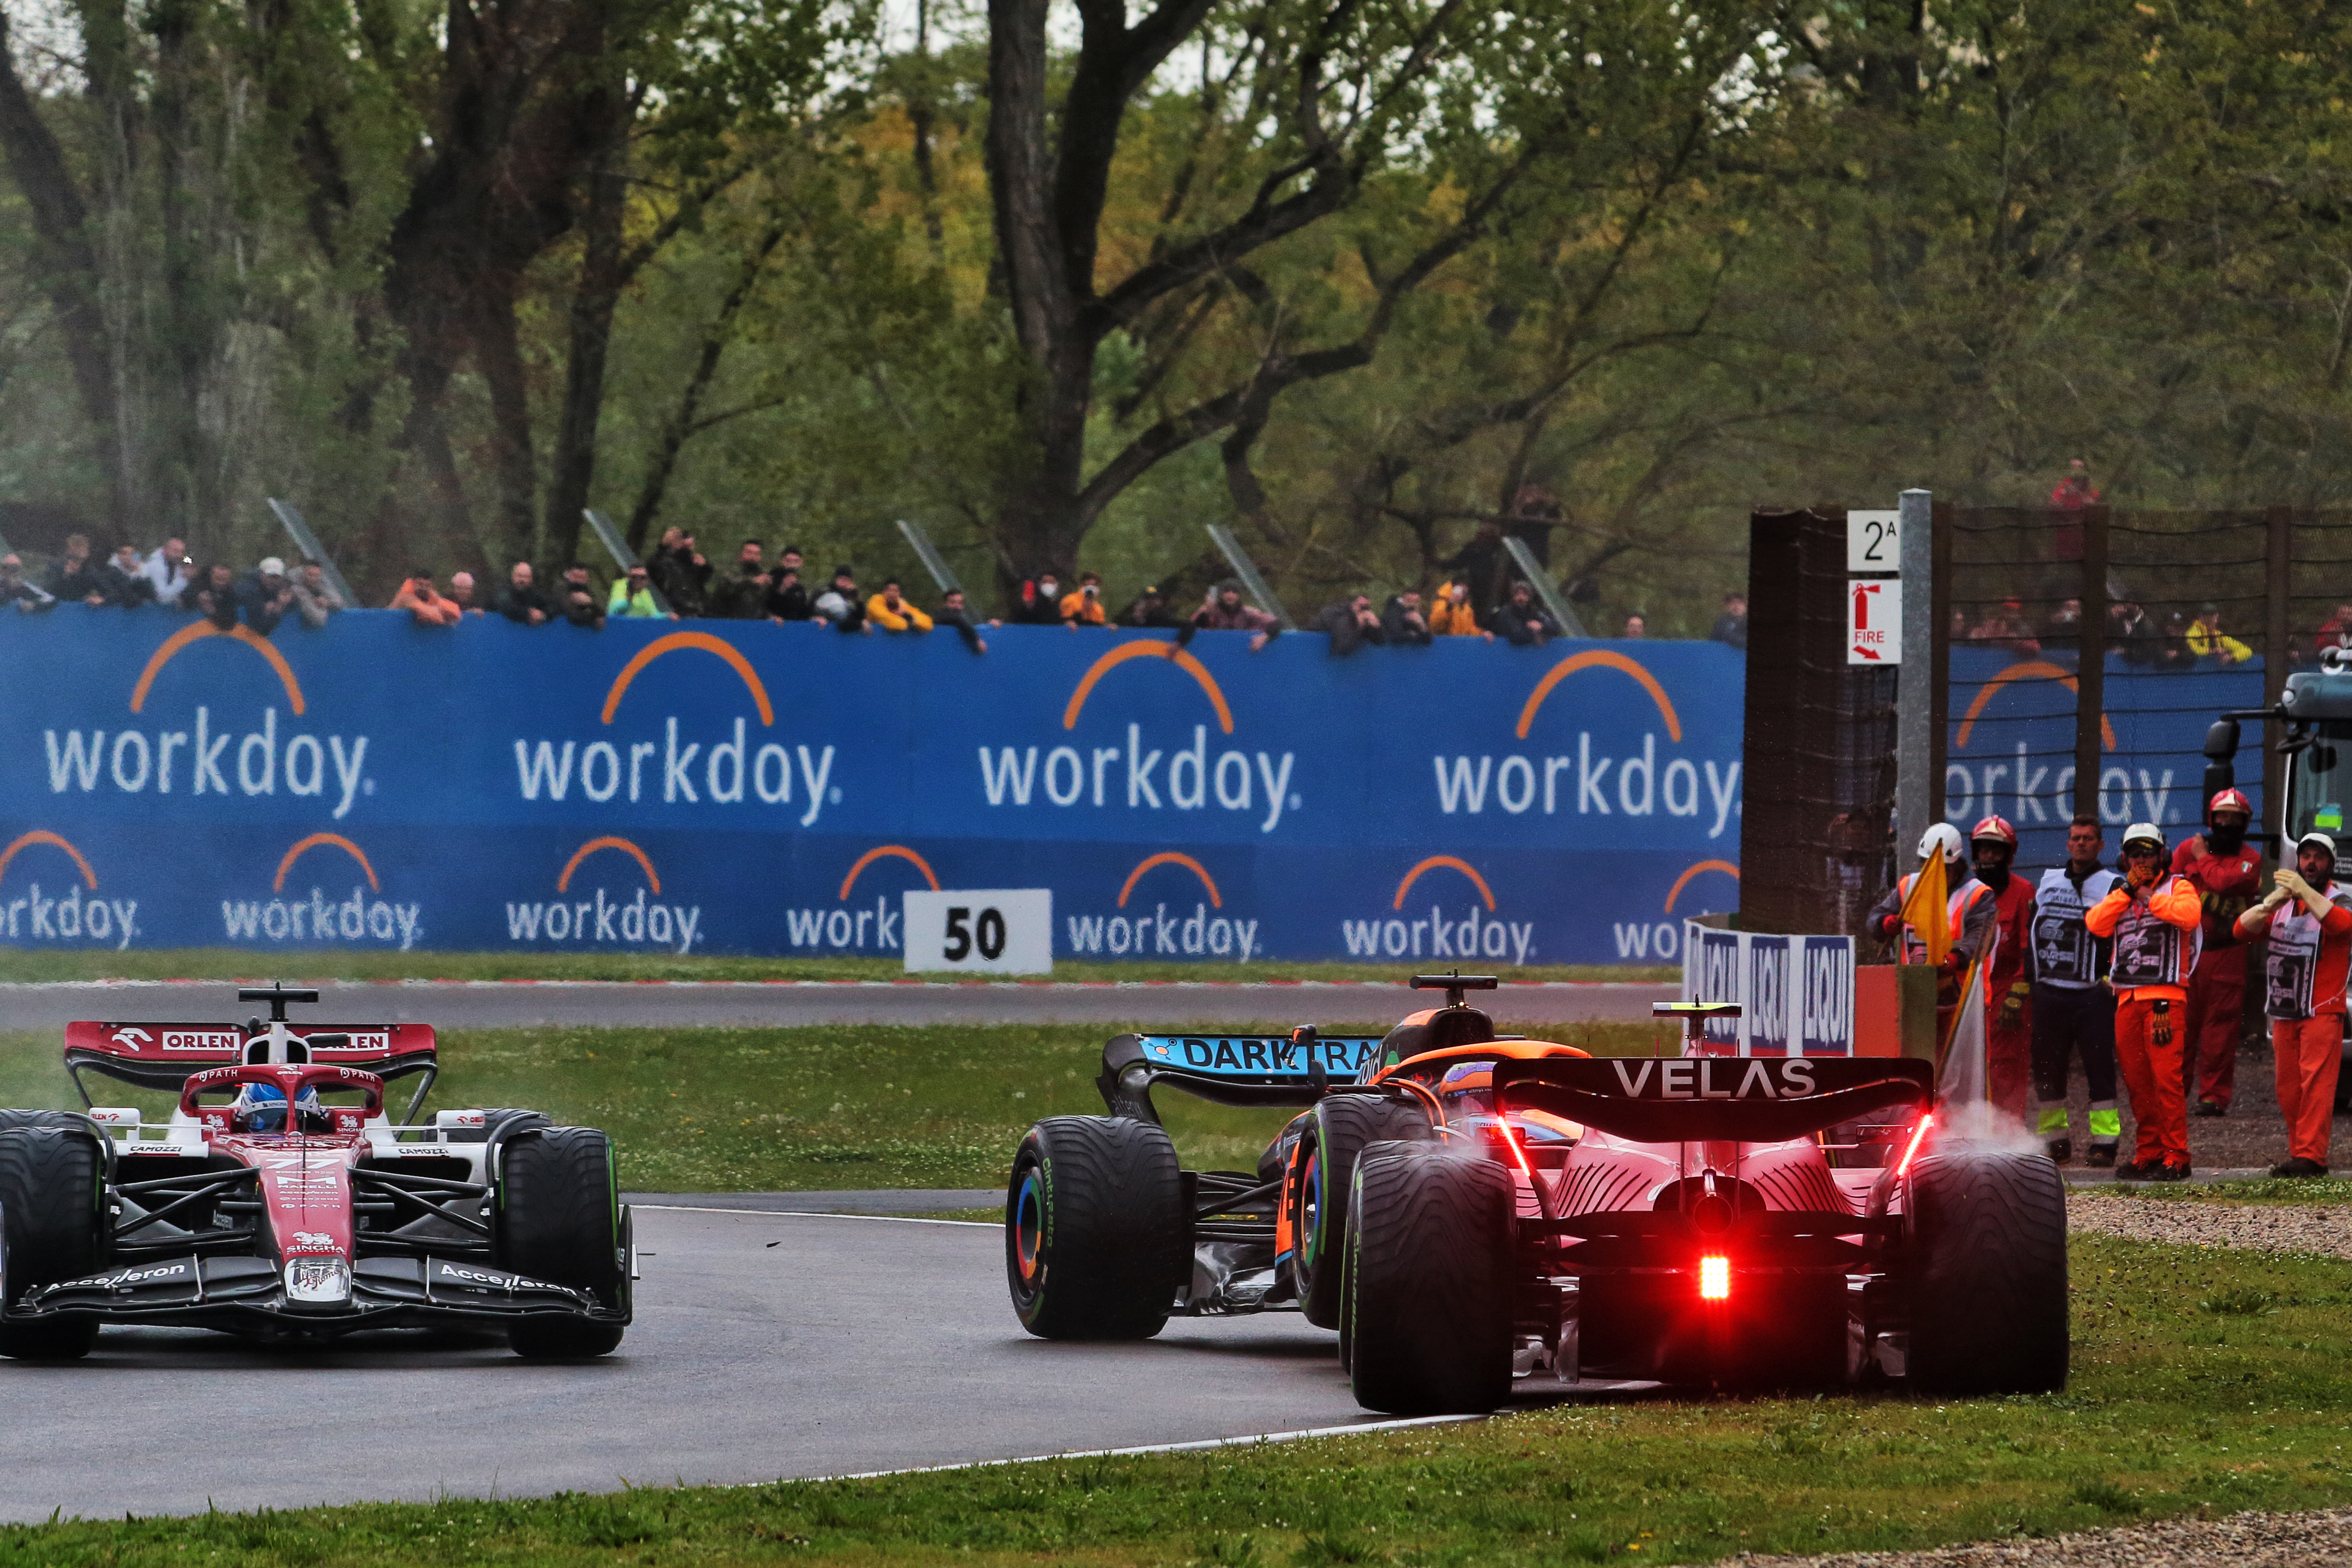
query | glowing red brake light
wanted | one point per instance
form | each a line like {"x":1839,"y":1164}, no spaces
{"x":1714,"y":1279}
{"x":1926,"y":1122}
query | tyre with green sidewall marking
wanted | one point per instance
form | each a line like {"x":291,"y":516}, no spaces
{"x":1335,"y":1135}
{"x":52,"y":1226}
{"x":1097,"y":1240}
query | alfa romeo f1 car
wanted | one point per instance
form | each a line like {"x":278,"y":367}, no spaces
{"x":1465,"y":1207}
{"x":278,"y":1201}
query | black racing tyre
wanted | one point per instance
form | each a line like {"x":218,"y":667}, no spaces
{"x":52,"y":1193}
{"x":1335,"y":1134}
{"x":10,"y":1121}
{"x":1097,"y":1240}
{"x":1987,"y":1272}
{"x":558,"y":1219}
{"x":1429,"y":1274}
{"x":1347,"y":1259}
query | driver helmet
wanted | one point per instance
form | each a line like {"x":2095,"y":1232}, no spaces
{"x":261,"y":1108}
{"x":1468,"y":1087}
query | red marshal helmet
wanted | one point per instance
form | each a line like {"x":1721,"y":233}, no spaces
{"x":2229,"y":800}
{"x":1994,"y":827}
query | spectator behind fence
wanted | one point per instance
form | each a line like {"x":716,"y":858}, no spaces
{"x":2004,"y":626}
{"x":2335,"y":631}
{"x":125,"y":580}
{"x":1402,"y":623}
{"x":893,"y":612}
{"x":743,"y":595}
{"x":1452,"y":616}
{"x":1482,"y":566}
{"x":681,"y":573}
{"x":462,"y":594}
{"x":71,"y":577}
{"x":954,"y":613}
{"x":213,"y":596}
{"x":312,"y":598}
{"x":521,"y":601}
{"x":633,"y":596}
{"x":2064,"y":626}
{"x":579,"y":608}
{"x":1637,"y":626}
{"x":15,"y":589}
{"x":788,"y":596}
{"x":1521,"y":621}
{"x":2132,"y":635}
{"x":1041,"y":602}
{"x":1730,"y":627}
{"x":1150,"y":612}
{"x":1083,"y":607}
{"x":421,"y":599}
{"x":1350,"y":624}
{"x":1224,"y":611}
{"x":2208,"y":640}
{"x":2178,"y":654}
{"x":838,"y":607}
{"x":2074,"y":491}
{"x":265,"y":595}
{"x":171,"y":569}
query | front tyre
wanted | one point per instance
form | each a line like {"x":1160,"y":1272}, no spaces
{"x":52,"y":1189}
{"x":558,"y":1219}
{"x":1335,"y":1135}
{"x":1430,"y":1271}
{"x":1989,"y":1276}
{"x":1097,"y":1240}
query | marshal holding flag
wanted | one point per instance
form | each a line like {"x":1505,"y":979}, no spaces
{"x":1943,"y":916}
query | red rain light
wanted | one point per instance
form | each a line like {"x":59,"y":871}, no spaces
{"x":1714,"y":1279}
{"x":1926,"y":1122}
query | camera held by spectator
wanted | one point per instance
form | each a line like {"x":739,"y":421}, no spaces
{"x":265,"y":595}
{"x":1350,"y":624}
{"x":1402,"y":623}
{"x":632,"y":597}
{"x":1084,"y":606}
{"x":838,"y":607}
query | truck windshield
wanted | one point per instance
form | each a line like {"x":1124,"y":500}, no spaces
{"x":2320,"y":781}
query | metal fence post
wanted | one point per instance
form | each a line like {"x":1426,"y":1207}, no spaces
{"x":2277,"y":652}
{"x":1918,"y":786}
{"x":2090,"y":663}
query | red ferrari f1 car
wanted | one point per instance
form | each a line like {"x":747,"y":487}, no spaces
{"x":278,"y":1201}
{"x":1465,"y":1207}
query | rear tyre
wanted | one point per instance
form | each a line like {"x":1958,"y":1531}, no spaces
{"x":558,"y":1219}
{"x":1330,"y":1144}
{"x":51,"y":1189}
{"x":1430,"y":1251}
{"x":1097,"y":1240}
{"x":1988,"y":1279}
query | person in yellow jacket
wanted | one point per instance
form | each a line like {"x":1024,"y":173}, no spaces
{"x":1450,"y":614}
{"x":2156,"y":920}
{"x":893,"y":614}
{"x":1082,"y":606}
{"x":2208,"y":640}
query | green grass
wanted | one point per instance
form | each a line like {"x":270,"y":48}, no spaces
{"x":785,"y":1109}
{"x":21,"y":964}
{"x":2175,"y":1408}
{"x":2267,"y":1190}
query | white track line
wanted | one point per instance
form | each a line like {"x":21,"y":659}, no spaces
{"x":811,"y":1213}
{"x":1253,"y":1440}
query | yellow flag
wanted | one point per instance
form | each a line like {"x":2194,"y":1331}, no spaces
{"x":1923,"y":911}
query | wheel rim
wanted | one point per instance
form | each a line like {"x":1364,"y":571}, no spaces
{"x":1310,"y":1224}
{"x":1029,"y":1227}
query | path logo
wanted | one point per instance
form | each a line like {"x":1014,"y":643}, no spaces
{"x":321,"y":918}
{"x":716,"y":770}
{"x":1129,"y":775}
{"x":76,"y":916}
{"x":210,"y":756}
{"x":1639,"y":940}
{"x":846,"y":929}
{"x":1475,"y":935}
{"x":607,"y":920}
{"x":1591,"y":781}
{"x":1201,"y":934}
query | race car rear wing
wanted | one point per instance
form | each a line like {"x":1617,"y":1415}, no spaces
{"x":1293,"y":1069}
{"x":163,"y":1056}
{"x":1746,"y":1100}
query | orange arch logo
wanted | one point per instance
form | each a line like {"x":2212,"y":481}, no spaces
{"x":197,"y":632}
{"x":704,"y":642}
{"x":43,"y":835}
{"x":645,"y":862}
{"x":1726,"y":867}
{"x":1601,"y":659}
{"x":1171,"y":858}
{"x":2032,"y":670}
{"x":1149,"y":648}
{"x":885,"y":851}
{"x":325,"y":840}
{"x":1451,"y":863}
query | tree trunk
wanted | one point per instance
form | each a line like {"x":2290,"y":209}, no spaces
{"x":593,"y":300}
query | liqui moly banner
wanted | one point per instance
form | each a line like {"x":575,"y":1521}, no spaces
{"x":732,"y":787}
{"x":1795,"y":993}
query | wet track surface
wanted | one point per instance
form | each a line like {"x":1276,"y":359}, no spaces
{"x":495,"y":1004}
{"x":765,"y":1345}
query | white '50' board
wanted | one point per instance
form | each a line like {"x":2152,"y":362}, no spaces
{"x":991,"y":930}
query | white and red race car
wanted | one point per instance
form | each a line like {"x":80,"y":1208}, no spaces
{"x":278,"y":1201}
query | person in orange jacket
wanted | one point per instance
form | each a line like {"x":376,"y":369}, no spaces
{"x":2009,"y":1020}
{"x":1083,"y":607}
{"x":2155,"y":920}
{"x":2309,"y":920}
{"x":2229,"y":877}
{"x":419,"y":598}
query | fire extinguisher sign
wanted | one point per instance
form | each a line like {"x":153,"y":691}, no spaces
{"x":1874,"y":621}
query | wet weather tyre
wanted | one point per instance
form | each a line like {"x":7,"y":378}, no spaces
{"x":1328,"y":1146}
{"x":52,"y":1189}
{"x":1429,"y":1261}
{"x":558,"y":1219}
{"x":1098,"y":1238}
{"x":1989,"y":1276}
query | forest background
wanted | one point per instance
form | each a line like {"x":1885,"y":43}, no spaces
{"x":1063,"y":283}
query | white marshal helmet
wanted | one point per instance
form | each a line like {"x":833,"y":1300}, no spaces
{"x":2144,"y":833}
{"x":2317,"y":840}
{"x":1944,"y":839}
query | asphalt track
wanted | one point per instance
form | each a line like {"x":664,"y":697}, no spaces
{"x":766,"y":1345}
{"x":501,"y":1004}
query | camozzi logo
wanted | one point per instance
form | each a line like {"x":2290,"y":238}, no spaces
{"x":212,"y":750}
{"x":363,"y":919}
{"x":1591,"y":781}
{"x":1159,"y":772}
{"x":716,"y":768}
{"x":75,"y":912}
{"x":596,"y":914}
{"x":1203,"y":931}
{"x":1469,"y":931}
